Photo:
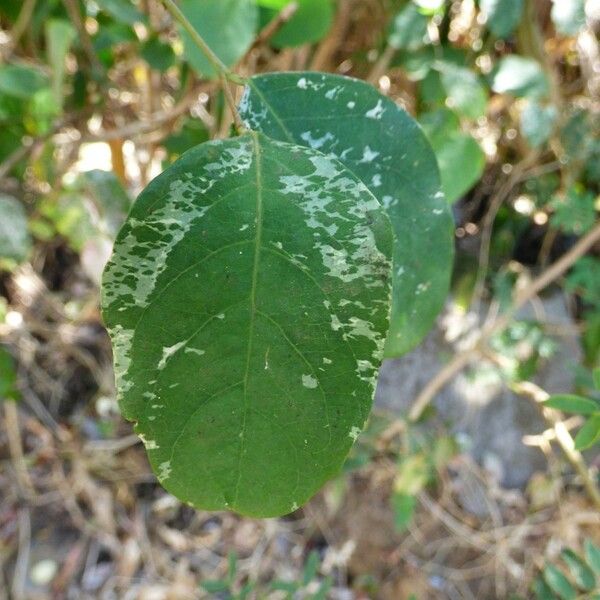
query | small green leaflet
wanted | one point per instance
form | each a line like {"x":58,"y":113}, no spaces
{"x":573,"y":404}
{"x":382,"y":145}
{"x":521,"y":77}
{"x":460,"y":158}
{"x":248,"y":301}
{"x":227,"y":26}
{"x":14,"y":237}
{"x":311,"y":21}
{"x":502,"y":16}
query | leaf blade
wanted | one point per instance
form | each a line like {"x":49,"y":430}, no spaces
{"x":212,"y":358}
{"x":389,"y":153}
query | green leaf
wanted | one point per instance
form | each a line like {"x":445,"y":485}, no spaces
{"x":15,"y":242}
{"x":247,"y":300}
{"x":386,"y":149}
{"x":310,"y":568}
{"x":227,"y":26}
{"x":584,"y":279}
{"x":8,"y":377}
{"x":592,"y":555}
{"x":413,"y":474}
{"x":568,"y":16}
{"x":464,"y":92}
{"x":122,"y":10}
{"x":589,"y":434}
{"x":559,"y":583}
{"x":157,"y":54}
{"x":572,"y":403}
{"x":582,"y":575}
{"x":408,"y":30}
{"x":537,"y":122}
{"x":430,"y":6}
{"x":541,"y":590}
{"x":60,"y":34}
{"x":520,"y":77}
{"x":596,"y":377}
{"x":404,"y":506}
{"x":21,"y":82}
{"x":310,"y":23}
{"x":575,"y":213}
{"x":503,"y":16}
{"x":460,"y":158}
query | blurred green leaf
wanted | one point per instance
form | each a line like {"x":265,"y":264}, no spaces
{"x":227,"y":26}
{"x":520,"y":77}
{"x":310,"y":568}
{"x":592,"y":555}
{"x":404,"y":506}
{"x":159,"y":55}
{"x":589,"y":434}
{"x":503,"y":16}
{"x":575,"y":212}
{"x":408,"y":30}
{"x":537,"y":122}
{"x":413,"y":474}
{"x":584,"y":279}
{"x":15,"y":242}
{"x":568,"y":16}
{"x":460,"y":158}
{"x":122,"y":10}
{"x":541,"y":590}
{"x":8,"y":376}
{"x":309,"y":24}
{"x":465,"y":93}
{"x":582,"y":575}
{"x":21,"y":82}
{"x":192,"y":133}
{"x":596,"y":376}
{"x":60,"y":34}
{"x":430,"y":6}
{"x":559,"y":583}
{"x":572,"y":404}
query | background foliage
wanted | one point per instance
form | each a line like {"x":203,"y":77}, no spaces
{"x":98,"y":97}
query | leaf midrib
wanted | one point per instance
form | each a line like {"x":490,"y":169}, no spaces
{"x":255,"y":269}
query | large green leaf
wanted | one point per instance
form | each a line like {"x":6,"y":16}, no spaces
{"x":503,"y":16}
{"x":382,"y":145}
{"x":248,"y":301}
{"x":460,"y":158}
{"x":227,"y":26}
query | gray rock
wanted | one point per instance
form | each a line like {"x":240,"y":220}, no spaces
{"x":476,"y":405}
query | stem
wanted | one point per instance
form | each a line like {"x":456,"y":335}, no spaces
{"x":225,"y":75}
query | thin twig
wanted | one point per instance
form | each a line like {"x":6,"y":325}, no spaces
{"x":22,"y":562}
{"x":273,"y":26}
{"x":461,"y":360}
{"x":22,"y":22}
{"x":15,"y":444}
{"x":225,"y":75}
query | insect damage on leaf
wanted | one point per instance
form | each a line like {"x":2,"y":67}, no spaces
{"x":248,"y":301}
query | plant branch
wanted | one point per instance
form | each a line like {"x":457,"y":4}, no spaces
{"x":462,"y":359}
{"x":225,"y":75}
{"x":562,"y":436}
